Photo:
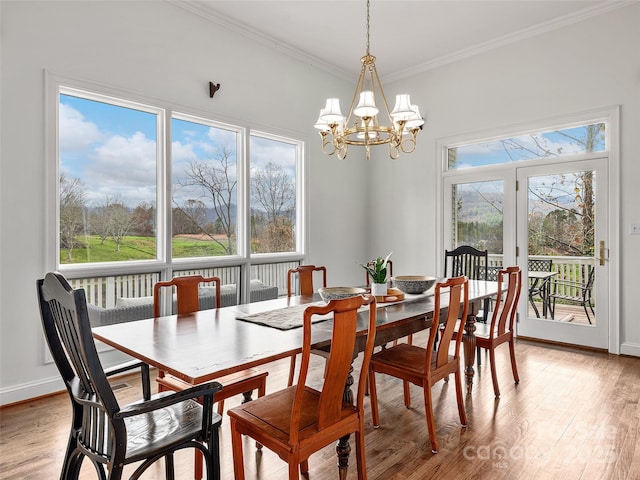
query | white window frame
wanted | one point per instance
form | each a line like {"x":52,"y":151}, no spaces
{"x":609,"y":115}
{"x":164,"y":263}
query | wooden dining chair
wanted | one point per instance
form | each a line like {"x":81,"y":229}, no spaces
{"x":243,"y":382}
{"x":424,"y":366}
{"x":500,"y":329}
{"x":304,"y":274}
{"x":300,"y":420}
{"x":106,"y":433}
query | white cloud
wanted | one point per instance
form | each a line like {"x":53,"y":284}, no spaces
{"x":124,"y":166}
{"x":76,"y":133}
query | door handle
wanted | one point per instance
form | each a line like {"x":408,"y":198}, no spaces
{"x":602,"y":250}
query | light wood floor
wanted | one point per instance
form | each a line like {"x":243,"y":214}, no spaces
{"x":574,"y":415}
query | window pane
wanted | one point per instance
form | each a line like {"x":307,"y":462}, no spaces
{"x":478,"y":216}
{"x":107,"y":156}
{"x":554,"y":143}
{"x":273,"y":195}
{"x":205,"y":194}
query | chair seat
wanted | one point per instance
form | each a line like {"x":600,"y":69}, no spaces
{"x":171,"y":425}
{"x":232,"y":384}
{"x":406,"y":358}
{"x":272,"y":414}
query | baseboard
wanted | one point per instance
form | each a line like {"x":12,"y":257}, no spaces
{"x":30,"y":391}
{"x":561,"y":344}
{"x":632,"y":349}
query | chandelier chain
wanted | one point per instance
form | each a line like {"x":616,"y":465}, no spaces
{"x":368,"y":53}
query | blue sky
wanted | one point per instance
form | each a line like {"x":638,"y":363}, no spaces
{"x":113,"y":150}
{"x":522,"y":147}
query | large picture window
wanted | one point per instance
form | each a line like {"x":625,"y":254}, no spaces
{"x":108,"y":153}
{"x":143,"y":183}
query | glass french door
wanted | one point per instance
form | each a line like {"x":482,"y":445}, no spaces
{"x":551,"y":220}
{"x":562,"y":239}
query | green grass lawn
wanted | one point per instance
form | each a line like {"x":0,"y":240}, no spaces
{"x":136,"y":248}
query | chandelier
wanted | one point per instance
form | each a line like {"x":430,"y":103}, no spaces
{"x":400,"y":127}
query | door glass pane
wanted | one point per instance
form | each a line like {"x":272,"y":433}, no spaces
{"x":274,"y":201}
{"x":108,"y":161}
{"x":561,"y":221}
{"x":205,"y":194}
{"x":478,"y":217}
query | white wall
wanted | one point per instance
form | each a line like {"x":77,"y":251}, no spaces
{"x":583,"y":66}
{"x":160,"y":51}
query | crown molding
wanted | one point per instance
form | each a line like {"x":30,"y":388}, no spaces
{"x":200,"y":9}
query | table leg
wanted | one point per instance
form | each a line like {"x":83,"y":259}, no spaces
{"x":469,"y":341}
{"x":343,"y":448}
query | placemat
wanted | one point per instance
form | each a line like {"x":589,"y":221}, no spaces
{"x":292,"y":317}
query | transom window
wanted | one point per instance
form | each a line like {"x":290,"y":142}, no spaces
{"x":534,"y":145}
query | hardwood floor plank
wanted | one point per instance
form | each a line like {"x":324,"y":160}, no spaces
{"x":574,"y":415}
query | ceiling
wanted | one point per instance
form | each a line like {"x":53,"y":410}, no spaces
{"x":406,"y":36}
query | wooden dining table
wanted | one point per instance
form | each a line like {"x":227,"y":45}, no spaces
{"x":208,"y":344}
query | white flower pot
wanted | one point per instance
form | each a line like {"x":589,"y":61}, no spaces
{"x":378,"y":289}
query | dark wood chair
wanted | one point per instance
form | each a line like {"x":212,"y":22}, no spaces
{"x":574,"y":293}
{"x":300,"y":420}
{"x":474,"y":264}
{"x":108,"y":434}
{"x":500,"y":329}
{"x":424,"y":366}
{"x":243,"y":382}
{"x":305,"y":274}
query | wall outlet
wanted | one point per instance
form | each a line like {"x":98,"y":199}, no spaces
{"x":635,"y":229}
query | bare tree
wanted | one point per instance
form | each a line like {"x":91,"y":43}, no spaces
{"x":215,"y":181}
{"x":144,"y":219}
{"x":72,"y":198}
{"x":99,"y":220}
{"x":120,"y":221}
{"x":273,"y":191}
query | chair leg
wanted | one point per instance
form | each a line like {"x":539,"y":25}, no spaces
{"x":373,"y":398}
{"x":494,"y":375}
{"x":304,"y":467}
{"x":197,"y":465}
{"x":170,"y":471}
{"x":514,"y":367}
{"x":462,"y":413}
{"x":431,"y":426}
{"x":292,"y":370}
{"x":293,"y":471}
{"x":407,"y":394}
{"x":236,"y":445}
{"x":360,"y":456}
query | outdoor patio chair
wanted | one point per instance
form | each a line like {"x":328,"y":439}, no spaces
{"x":574,"y":293}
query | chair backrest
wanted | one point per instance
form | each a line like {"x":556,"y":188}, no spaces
{"x":187,"y":293}
{"x":539,"y":265}
{"x":506,"y":304}
{"x":466,"y":260}
{"x":338,"y":364}
{"x":305,"y":279}
{"x":372,"y":264}
{"x":457,"y":291}
{"x":65,"y":321}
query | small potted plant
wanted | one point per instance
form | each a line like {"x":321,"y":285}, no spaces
{"x":377,"y":271}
